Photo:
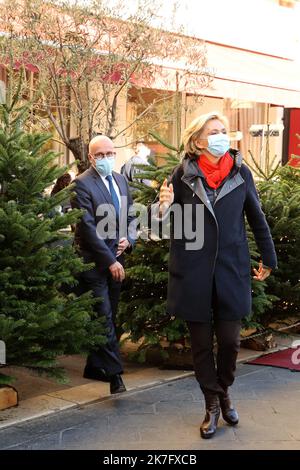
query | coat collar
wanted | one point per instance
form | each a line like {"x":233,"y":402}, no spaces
{"x":191,"y":169}
{"x":120,"y":180}
{"x":117,"y":177}
{"x":192,"y":176}
{"x":100,"y":184}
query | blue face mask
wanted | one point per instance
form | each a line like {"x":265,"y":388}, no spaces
{"x":105,"y":165}
{"x":218,"y":144}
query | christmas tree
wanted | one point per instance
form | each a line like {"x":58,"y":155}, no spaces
{"x":143,"y":308}
{"x":281,"y":203}
{"x":39,"y":320}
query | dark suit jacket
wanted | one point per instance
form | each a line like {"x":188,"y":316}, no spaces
{"x":90,"y":194}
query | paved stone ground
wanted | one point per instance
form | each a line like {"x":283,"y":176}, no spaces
{"x":168,"y":417}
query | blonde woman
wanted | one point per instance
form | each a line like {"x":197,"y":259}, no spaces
{"x":210,"y":287}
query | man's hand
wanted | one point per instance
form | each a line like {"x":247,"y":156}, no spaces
{"x":117,"y":271}
{"x":166,"y":196}
{"x":123,"y":244}
{"x":262,"y":273}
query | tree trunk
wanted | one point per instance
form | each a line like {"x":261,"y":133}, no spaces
{"x":80,"y":152}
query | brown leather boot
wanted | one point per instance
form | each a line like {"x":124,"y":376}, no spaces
{"x":230,"y":415}
{"x":209,"y":425}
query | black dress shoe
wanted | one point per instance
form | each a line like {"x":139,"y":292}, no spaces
{"x":116,"y":384}
{"x":230,"y":415}
{"x":95,"y":374}
{"x":209,"y":426}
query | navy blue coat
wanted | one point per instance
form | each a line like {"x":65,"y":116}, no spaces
{"x":90,"y":193}
{"x":225,"y":254}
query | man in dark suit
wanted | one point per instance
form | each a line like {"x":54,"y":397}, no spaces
{"x":102,"y":236}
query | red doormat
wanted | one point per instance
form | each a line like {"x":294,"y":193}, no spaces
{"x":287,"y":359}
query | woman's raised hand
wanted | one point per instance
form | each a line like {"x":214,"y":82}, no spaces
{"x":166,"y":196}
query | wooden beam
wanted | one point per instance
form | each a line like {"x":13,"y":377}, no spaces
{"x":8,"y":397}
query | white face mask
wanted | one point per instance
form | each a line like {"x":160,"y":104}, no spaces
{"x":218,"y":144}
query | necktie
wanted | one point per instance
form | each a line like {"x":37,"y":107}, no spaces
{"x":113,"y":194}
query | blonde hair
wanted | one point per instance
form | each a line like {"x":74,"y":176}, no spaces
{"x":194,"y":130}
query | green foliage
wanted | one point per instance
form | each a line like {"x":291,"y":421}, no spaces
{"x":144,"y":194}
{"x":269,"y":172}
{"x":40,"y":318}
{"x":262,"y":299}
{"x":281,"y":203}
{"x":142,"y":310}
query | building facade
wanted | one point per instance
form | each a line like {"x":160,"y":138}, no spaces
{"x":253,"y":61}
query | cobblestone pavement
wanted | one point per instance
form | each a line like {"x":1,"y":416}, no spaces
{"x":168,"y":416}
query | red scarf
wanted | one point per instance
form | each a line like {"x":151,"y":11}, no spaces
{"x":215,"y":173}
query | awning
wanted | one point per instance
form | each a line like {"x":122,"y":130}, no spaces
{"x":239,"y":75}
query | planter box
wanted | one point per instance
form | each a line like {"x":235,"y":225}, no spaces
{"x":8,"y":397}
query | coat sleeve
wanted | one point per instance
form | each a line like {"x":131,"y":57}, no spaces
{"x":88,"y":228}
{"x":131,"y":221}
{"x":258,"y":223}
